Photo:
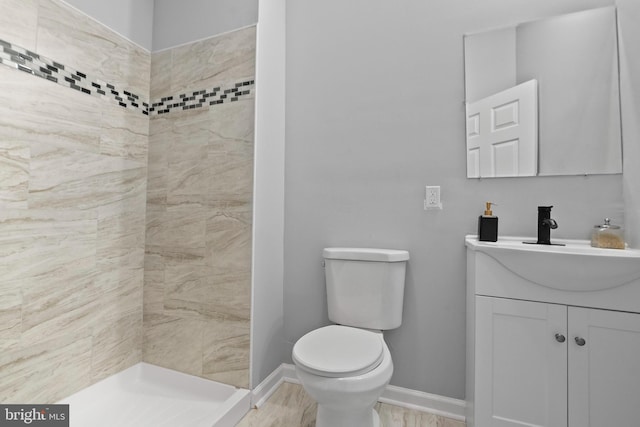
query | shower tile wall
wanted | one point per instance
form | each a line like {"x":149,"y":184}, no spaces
{"x":199,"y":210}
{"x":73,"y":171}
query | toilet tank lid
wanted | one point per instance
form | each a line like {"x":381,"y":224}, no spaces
{"x":366,"y":254}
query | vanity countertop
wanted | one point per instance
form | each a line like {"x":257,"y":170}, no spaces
{"x":566,"y":246}
{"x":573,"y":274}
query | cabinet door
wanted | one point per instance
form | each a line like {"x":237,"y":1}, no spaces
{"x":521,"y":367}
{"x":604,"y":371}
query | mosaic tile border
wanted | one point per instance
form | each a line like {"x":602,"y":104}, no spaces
{"x":32,"y":63}
{"x":203,"y":98}
{"x":24,"y":60}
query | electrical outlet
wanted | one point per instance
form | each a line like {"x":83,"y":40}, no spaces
{"x":432,"y":197}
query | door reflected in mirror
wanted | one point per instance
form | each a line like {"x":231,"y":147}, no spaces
{"x":542,"y":97}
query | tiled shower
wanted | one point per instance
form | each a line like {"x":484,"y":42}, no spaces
{"x":125,"y":218}
{"x":199,"y":208}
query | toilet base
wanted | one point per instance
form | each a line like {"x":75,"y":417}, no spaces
{"x":331,"y":418}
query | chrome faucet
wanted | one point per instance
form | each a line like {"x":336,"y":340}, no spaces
{"x":545,"y":225}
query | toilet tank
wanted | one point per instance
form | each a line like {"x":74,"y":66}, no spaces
{"x":365,"y":287}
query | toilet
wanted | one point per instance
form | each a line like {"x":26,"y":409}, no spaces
{"x":345,"y":367}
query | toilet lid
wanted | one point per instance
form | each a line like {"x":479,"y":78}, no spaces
{"x":338,"y":351}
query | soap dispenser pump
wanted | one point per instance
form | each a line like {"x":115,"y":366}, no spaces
{"x":488,"y":225}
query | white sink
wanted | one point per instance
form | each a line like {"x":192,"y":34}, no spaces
{"x":574,"y":267}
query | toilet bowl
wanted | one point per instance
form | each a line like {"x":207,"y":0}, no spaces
{"x":345,"y":370}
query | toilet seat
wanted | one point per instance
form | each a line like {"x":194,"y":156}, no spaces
{"x":339,"y":351}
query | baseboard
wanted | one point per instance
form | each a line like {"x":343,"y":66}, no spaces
{"x":398,"y":396}
{"x":425,"y":402}
{"x":269,"y":385}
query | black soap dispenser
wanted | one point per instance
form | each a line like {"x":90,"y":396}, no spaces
{"x":488,"y":225}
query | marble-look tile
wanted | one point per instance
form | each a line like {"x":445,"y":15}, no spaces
{"x":133,"y":69}
{"x":121,"y":292}
{"x":45,"y":372}
{"x":214,"y":61}
{"x":53,"y":166}
{"x":117,"y":345}
{"x":187,"y":172}
{"x":194,"y":289}
{"x":188,"y":290}
{"x":160,"y":127}
{"x":38,"y":243}
{"x":176,"y":254}
{"x":176,"y":227}
{"x":231,"y":174}
{"x":160,"y":85}
{"x":173,"y":342}
{"x":73,"y":179}
{"x":291,"y":406}
{"x":204,"y":293}
{"x":91,"y":192}
{"x":230,"y":155}
{"x":234,"y":294}
{"x":18,"y":22}
{"x":187,"y":167}
{"x":120,"y":238}
{"x":124,"y":134}
{"x":153,"y":296}
{"x":198,"y":238}
{"x":64,"y":147}
{"x":10,"y":313}
{"x":120,"y":243}
{"x":55,"y":304}
{"x":43,"y":100}
{"x":229,"y":238}
{"x":226,"y":352}
{"x":14,"y":173}
{"x":7,"y":344}
{"x":72,"y":38}
{"x":38,"y":129}
{"x":160,"y":139}
{"x":232,"y":124}
{"x":132,"y":197}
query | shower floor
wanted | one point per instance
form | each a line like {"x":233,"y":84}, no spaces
{"x":149,"y":396}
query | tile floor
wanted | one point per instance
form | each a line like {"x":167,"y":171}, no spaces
{"x":290,"y":406}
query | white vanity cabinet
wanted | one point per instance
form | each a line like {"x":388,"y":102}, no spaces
{"x":604,"y":369}
{"x":521,"y":370}
{"x":541,"y":356}
{"x":540,"y":364}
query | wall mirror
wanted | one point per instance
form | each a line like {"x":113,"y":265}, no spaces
{"x":542,"y":97}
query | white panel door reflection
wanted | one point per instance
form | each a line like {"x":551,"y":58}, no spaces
{"x":502,"y":133}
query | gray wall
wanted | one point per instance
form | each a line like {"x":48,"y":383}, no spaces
{"x":176,"y":22}
{"x":629,"y":16}
{"x":375,"y":113}
{"x":183,"y":21}
{"x":132,"y":19}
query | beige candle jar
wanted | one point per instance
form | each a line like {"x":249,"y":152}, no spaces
{"x":607,"y":236}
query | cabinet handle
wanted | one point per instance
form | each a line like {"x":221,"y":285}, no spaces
{"x":580,"y":341}
{"x":560,"y":338}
